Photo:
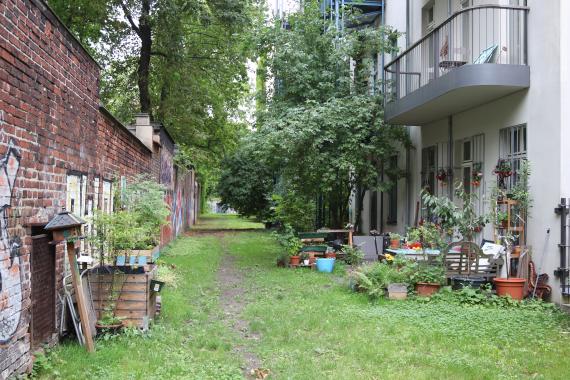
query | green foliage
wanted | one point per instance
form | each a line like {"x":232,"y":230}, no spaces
{"x":294,"y":209}
{"x":115,"y":234}
{"x":427,"y":234}
{"x":353,"y":255}
{"x":322,"y":129}
{"x":485,"y":297}
{"x":395,"y":236}
{"x":453,"y":218}
{"x":423,"y":272}
{"x":246,"y":183}
{"x":521,"y":190}
{"x":288,"y":239}
{"x":144,"y":200}
{"x":373,"y":279}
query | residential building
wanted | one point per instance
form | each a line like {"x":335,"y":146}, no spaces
{"x":60,"y":149}
{"x":477,"y":81}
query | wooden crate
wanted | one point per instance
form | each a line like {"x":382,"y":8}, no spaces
{"x":135,"y":302}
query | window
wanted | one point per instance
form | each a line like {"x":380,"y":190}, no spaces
{"x":374,"y":210}
{"x":513,"y":147}
{"x":107,"y":197}
{"x":429,"y":169}
{"x":392,"y":217}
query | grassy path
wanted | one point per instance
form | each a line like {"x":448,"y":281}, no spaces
{"x":232,"y":310}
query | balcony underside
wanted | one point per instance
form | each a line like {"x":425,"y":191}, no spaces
{"x":459,"y":90}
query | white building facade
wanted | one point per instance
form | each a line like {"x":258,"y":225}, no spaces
{"x":476,"y":81}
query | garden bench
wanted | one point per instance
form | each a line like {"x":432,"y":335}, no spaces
{"x":466,"y":259}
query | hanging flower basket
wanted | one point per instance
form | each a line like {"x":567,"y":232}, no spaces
{"x":442,"y":175}
{"x":477,"y":175}
{"x":503,"y":169}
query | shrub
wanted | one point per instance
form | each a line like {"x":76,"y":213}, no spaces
{"x":353,"y":255}
{"x":373,"y":279}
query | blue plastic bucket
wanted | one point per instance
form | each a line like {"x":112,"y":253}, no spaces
{"x":325,"y":265}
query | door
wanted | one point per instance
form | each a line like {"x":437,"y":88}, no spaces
{"x":43,"y":290}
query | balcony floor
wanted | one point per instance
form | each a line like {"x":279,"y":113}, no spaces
{"x":459,"y":90}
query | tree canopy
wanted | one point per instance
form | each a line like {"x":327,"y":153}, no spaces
{"x":320,"y":124}
{"x":182,"y":61}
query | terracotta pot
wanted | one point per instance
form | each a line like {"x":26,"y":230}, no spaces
{"x":516,"y":251}
{"x":295,"y":260}
{"x":510,"y":287}
{"x":113,"y":329}
{"x":427,"y":289}
{"x":395,"y":243}
{"x":330,"y":255}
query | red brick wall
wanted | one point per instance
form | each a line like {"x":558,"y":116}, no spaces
{"x":51,"y":125}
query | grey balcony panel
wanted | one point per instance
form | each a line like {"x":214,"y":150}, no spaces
{"x":462,"y":88}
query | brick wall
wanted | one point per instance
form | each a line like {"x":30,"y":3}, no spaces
{"x":51,"y":126}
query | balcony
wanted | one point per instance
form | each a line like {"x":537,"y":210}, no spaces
{"x":477,"y":55}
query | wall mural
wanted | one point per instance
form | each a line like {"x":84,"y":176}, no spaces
{"x":10,"y":279}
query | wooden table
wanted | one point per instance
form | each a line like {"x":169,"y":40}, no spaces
{"x":349,"y":232}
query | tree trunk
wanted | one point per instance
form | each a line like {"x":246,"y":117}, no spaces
{"x":360,"y":193}
{"x":144,"y":58}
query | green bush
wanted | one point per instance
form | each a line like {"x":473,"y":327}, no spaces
{"x":295,"y":210}
{"x":373,"y":279}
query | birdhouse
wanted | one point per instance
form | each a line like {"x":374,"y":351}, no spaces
{"x":65,"y":226}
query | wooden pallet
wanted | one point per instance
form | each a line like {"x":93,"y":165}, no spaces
{"x":136,"y":303}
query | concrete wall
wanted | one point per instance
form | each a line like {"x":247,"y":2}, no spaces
{"x":58,"y":149}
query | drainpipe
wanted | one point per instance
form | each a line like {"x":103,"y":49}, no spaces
{"x":450,"y":153}
{"x":563,"y":271}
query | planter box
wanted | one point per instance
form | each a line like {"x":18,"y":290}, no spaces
{"x":135,"y":302}
{"x":398,"y":291}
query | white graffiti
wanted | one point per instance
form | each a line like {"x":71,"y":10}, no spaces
{"x":10,"y":280}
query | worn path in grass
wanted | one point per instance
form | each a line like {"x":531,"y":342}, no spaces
{"x":231,"y":309}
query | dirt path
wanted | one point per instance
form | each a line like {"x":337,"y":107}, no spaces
{"x":233,"y":301}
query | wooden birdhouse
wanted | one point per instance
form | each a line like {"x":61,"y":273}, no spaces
{"x":65,"y":226}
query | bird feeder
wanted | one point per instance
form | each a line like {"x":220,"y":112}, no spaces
{"x":66,"y":227}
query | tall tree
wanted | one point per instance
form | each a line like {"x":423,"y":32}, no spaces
{"x":323,"y":125}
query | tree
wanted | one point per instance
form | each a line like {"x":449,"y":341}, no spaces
{"x":182,"y":61}
{"x":322,"y":125}
{"x":246,"y":182}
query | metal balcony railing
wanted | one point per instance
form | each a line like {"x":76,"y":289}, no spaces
{"x":483,"y":34}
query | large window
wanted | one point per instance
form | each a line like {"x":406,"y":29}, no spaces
{"x":429,"y":169}
{"x":513,"y":147}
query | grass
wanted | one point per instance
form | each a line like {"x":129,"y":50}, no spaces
{"x":226,"y":222}
{"x":188,"y":342}
{"x":313,"y":327}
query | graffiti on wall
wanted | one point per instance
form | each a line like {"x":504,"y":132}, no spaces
{"x":166,"y":169}
{"x":10,"y":279}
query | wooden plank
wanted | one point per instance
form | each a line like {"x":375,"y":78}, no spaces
{"x":132,"y":287}
{"x":80,"y":297}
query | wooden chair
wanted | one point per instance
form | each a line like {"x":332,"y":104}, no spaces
{"x":466,"y":259}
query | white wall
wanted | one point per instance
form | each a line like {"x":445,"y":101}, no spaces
{"x":544,"y":108}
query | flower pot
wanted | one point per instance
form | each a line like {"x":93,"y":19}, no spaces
{"x":427,"y":289}
{"x":516,"y":251}
{"x":111,"y":329}
{"x":330,"y":255}
{"x":295,"y":260}
{"x":513,"y":287}
{"x":306,"y":262}
{"x":395,"y":243}
{"x":460,"y":282}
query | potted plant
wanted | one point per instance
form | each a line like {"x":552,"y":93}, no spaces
{"x":330,"y":253}
{"x":477,"y":174}
{"x":305,"y":258}
{"x":503,"y":170}
{"x":502,"y":219}
{"x":427,"y":279}
{"x":442,"y":175}
{"x":294,"y":247}
{"x":109,"y":322}
{"x":352,"y":255}
{"x":395,"y":240}
{"x":282,"y":259}
{"x":509,"y":286}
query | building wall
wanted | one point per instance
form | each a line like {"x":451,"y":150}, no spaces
{"x":543,"y":108}
{"x":58,"y":149}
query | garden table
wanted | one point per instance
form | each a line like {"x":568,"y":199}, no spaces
{"x":414,"y":253}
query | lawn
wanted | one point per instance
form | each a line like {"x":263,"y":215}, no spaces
{"x":306,"y":325}
{"x":226,"y":222}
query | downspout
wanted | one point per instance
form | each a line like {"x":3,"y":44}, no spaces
{"x":450,"y":153}
{"x":408,"y":182}
{"x":563,"y":271}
